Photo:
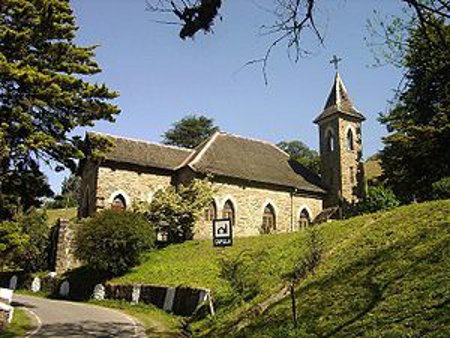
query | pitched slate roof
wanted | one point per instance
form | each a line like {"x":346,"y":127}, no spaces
{"x":339,"y":102}
{"x":223,"y":155}
{"x":145,"y":153}
{"x":253,"y":160}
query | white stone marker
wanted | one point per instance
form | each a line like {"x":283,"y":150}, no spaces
{"x":136,"y":294}
{"x":36,"y":284}
{"x":13,"y":282}
{"x":99,"y":292}
{"x":168,"y":300}
{"x":64,"y":289}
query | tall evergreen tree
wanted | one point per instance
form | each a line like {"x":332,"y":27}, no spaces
{"x":417,"y":150}
{"x":190,"y":131}
{"x":44,"y":94}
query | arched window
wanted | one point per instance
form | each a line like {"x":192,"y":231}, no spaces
{"x":210,"y":212}
{"x":228,"y":211}
{"x":269,"y":220}
{"x":304,"y":219}
{"x":330,"y":141}
{"x":350,"y":145}
{"x":118,"y":203}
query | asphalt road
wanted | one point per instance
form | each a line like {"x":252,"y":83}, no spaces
{"x":55,"y":318}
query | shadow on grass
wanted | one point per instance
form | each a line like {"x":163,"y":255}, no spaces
{"x":334,"y":303}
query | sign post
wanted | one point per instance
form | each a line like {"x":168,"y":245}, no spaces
{"x":222,"y":232}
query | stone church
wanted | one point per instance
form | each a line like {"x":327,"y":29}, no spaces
{"x":257,"y":185}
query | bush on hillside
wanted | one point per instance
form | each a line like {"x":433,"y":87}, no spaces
{"x":35,"y":256}
{"x":113,"y":241}
{"x":441,"y":189}
{"x":378,"y":198}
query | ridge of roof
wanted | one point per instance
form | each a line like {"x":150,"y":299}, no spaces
{"x":253,"y":140}
{"x":196,"y":152}
{"x":260,"y":141}
{"x":203,"y":149}
{"x":140,"y":140}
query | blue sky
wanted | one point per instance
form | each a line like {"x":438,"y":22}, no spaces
{"x":162,"y":78}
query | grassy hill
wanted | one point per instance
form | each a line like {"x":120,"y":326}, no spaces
{"x":54,"y":214}
{"x":384,"y":274}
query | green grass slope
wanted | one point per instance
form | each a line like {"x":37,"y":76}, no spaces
{"x":55,"y":214}
{"x":384,"y":274}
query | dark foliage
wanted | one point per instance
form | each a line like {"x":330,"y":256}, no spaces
{"x":190,"y":131}
{"x":378,"y":198}
{"x":441,"y":189}
{"x":114,"y":241}
{"x":416,"y":152}
{"x":43,"y":97}
{"x":35,"y":256}
{"x":301,"y":153}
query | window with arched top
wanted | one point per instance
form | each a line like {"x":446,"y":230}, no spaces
{"x":118,"y":203}
{"x":304,"y":220}
{"x":228,"y":211}
{"x":350,"y":145}
{"x":330,"y":141}
{"x":268,"y":220}
{"x":210,"y":212}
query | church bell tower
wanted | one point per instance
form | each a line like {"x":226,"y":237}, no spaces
{"x":341,"y":147}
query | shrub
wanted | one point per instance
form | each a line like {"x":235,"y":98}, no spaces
{"x":175,"y":211}
{"x":113,"y":241}
{"x":378,"y":198}
{"x":441,"y":189}
{"x":35,"y":256}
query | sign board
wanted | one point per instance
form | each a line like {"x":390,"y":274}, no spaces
{"x":222,"y":232}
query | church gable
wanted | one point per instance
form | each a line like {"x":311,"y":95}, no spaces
{"x":251,"y":160}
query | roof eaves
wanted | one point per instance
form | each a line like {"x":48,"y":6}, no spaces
{"x":140,"y":141}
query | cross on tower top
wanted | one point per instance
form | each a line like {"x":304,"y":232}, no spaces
{"x":335,"y":60}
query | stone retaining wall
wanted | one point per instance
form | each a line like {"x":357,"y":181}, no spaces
{"x":182,"y":300}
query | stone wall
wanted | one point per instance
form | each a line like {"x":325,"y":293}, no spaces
{"x":133,"y":183}
{"x":352,"y":174}
{"x":65,"y":257}
{"x":342,"y":169}
{"x":249,"y":201}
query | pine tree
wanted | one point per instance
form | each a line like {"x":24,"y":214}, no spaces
{"x":417,"y":151}
{"x":43,"y":92}
{"x":190,"y":131}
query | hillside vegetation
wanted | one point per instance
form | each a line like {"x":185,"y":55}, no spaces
{"x":383,"y":274}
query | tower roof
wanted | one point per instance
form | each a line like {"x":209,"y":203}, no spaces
{"x":339,"y":102}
